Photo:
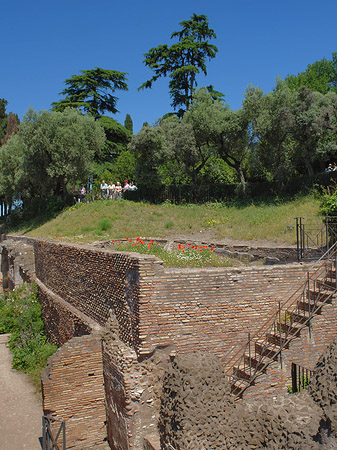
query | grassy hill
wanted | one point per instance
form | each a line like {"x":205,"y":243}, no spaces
{"x":107,"y":219}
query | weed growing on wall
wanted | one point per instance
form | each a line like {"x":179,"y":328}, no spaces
{"x":20,"y":315}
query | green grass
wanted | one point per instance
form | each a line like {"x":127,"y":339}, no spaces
{"x":20,"y":315}
{"x":105,"y":220}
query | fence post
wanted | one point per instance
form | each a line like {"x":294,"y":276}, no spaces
{"x":294,"y":377}
{"x":297,"y":240}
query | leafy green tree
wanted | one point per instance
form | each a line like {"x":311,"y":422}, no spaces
{"x":321,"y":76}
{"x":128,"y":124}
{"x":271,"y":120}
{"x":147,"y":147}
{"x":219,"y":129}
{"x":50,"y":151}
{"x":3,"y":119}
{"x":117,"y":139}
{"x":179,"y":145}
{"x":92,"y":91}
{"x":183,"y":60}
{"x":313,"y":122}
{"x":11,"y":173}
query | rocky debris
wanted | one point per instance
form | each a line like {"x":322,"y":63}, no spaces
{"x":198,"y":412}
{"x":323,"y":385}
{"x":196,"y":403}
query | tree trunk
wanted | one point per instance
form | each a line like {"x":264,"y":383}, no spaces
{"x":242,"y":178}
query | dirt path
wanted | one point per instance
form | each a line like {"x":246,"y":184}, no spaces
{"x":20,"y":410}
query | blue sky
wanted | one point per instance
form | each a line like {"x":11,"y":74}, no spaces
{"x":42,"y":43}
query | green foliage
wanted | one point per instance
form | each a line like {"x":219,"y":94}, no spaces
{"x":3,"y":119}
{"x":147,"y":148}
{"x":321,"y":76}
{"x":304,"y":383}
{"x":128,"y":124}
{"x":183,"y":60}
{"x":91,"y":91}
{"x":105,"y":224}
{"x":20,"y":315}
{"x":329,"y":202}
{"x":50,"y":151}
{"x":117,"y":139}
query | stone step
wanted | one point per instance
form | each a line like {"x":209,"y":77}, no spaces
{"x":275,"y":339}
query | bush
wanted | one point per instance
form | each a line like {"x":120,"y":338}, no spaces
{"x":20,"y":315}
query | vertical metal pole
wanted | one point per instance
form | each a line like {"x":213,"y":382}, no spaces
{"x":280,"y":331}
{"x":327,"y":233}
{"x":335,"y":270}
{"x":309,"y":306}
{"x":250,"y":357}
{"x":301,"y":236}
{"x":293,"y":377}
{"x":43,"y":433}
{"x":297,"y":240}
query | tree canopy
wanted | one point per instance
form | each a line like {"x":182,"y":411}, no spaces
{"x":183,"y":60}
{"x":321,"y":76}
{"x":49,"y":151}
{"x":92,"y":91}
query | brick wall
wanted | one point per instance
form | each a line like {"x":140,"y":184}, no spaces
{"x":72,"y":388}
{"x":304,"y":350}
{"x":97,"y":281}
{"x":212,"y":309}
{"x":195,"y":309}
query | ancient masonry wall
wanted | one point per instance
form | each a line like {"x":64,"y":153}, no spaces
{"x":194,"y":309}
{"x":210,"y":310}
{"x":304,"y":351}
{"x":96,"y":282}
{"x":72,"y":388}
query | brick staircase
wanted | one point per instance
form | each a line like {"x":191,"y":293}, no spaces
{"x":284,"y":324}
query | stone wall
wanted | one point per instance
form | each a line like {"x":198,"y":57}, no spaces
{"x":73,"y":391}
{"x":156,"y":310}
{"x":305,"y":351}
{"x":194,"y":309}
{"x":212,"y":309}
{"x":97,"y":281}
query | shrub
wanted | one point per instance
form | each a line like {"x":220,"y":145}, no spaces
{"x":20,"y":315}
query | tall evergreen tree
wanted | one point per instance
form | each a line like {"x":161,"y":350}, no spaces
{"x":183,"y":60}
{"x":128,"y":124}
{"x":92,"y":91}
{"x":3,"y":119}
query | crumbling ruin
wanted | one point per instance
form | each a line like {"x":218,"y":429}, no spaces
{"x":159,"y":338}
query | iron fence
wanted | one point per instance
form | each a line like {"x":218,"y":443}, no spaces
{"x":53,"y":430}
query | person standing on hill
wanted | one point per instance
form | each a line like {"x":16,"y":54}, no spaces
{"x":104,"y":189}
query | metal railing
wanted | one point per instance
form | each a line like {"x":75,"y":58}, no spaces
{"x":300,"y":377}
{"x":52,"y":430}
{"x":284,"y":324}
{"x":318,"y":236}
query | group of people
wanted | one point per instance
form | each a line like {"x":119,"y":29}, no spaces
{"x":331,"y":167}
{"x":78,"y":195}
{"x":115,"y":191}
